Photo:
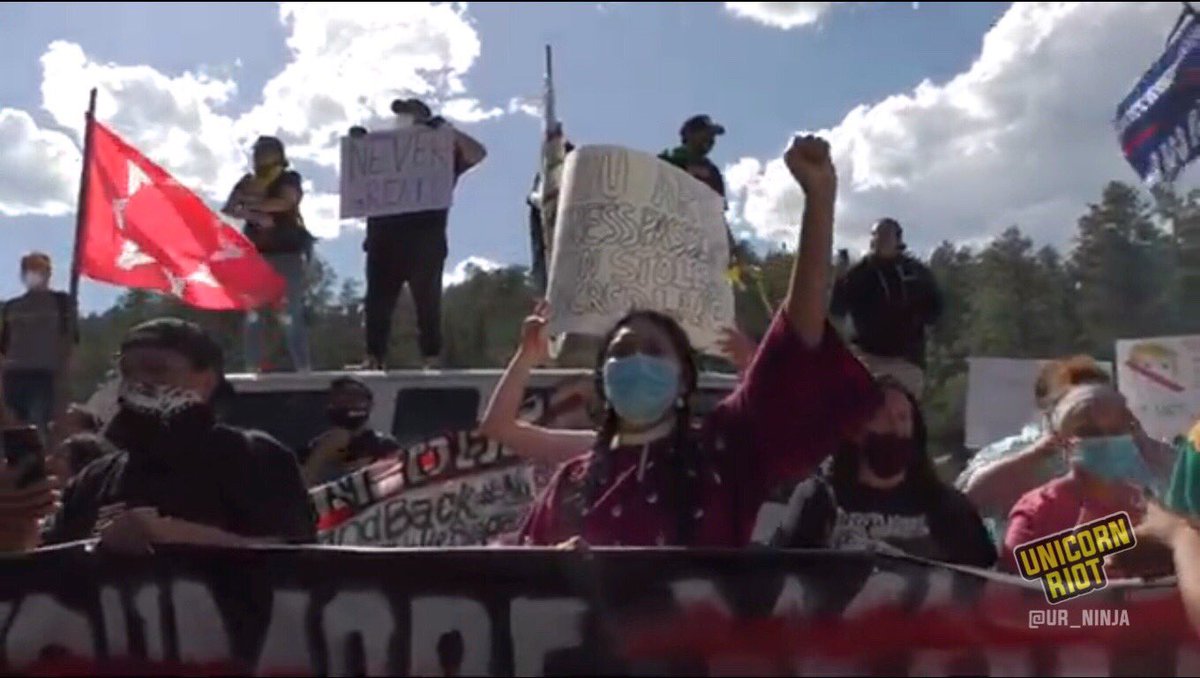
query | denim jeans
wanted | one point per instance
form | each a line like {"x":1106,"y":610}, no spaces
{"x":292,"y":268}
{"x":30,"y":395}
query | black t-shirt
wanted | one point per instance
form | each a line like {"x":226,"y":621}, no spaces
{"x":288,"y":235}
{"x":242,"y":482}
{"x":945,"y":528}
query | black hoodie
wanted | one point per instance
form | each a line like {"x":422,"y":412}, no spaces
{"x":242,"y":482}
{"x":890,"y":301}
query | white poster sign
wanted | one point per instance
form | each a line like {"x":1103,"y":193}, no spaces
{"x":1160,"y":378}
{"x":1000,"y":400}
{"x":637,"y":233}
{"x":397,"y":172}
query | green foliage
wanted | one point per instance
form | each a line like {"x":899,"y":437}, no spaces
{"x":1133,"y":270}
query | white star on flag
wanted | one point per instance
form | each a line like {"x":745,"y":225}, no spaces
{"x":131,"y":255}
{"x":201,"y":276}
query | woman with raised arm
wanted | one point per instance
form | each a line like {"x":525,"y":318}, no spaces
{"x":650,"y":478}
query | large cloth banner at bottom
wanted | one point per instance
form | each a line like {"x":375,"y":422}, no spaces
{"x":530,"y":612}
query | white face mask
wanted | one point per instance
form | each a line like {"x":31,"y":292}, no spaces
{"x":34,"y":280}
{"x":159,"y":401}
{"x":405,"y":120}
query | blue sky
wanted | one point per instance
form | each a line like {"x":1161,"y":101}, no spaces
{"x":958,"y":118}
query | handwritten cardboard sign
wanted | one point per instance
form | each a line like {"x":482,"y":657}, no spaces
{"x":637,"y":233}
{"x":397,"y":172}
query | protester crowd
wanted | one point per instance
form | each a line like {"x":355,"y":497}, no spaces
{"x":837,"y":424}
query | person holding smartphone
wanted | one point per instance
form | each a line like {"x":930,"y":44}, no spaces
{"x":179,"y":476}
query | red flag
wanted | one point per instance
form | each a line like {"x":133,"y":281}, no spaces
{"x":143,"y":229}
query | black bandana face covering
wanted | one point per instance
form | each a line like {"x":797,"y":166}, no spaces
{"x":887,"y":455}
{"x":164,"y":407}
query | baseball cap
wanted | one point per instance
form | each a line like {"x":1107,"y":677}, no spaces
{"x":185,"y":338}
{"x":415,"y":106}
{"x":699,"y":123}
{"x":349,"y":383}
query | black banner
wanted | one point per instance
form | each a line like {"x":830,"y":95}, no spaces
{"x":523,"y":612}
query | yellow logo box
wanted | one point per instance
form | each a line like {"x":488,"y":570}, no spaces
{"x":1071,"y":563}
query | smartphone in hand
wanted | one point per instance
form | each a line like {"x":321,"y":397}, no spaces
{"x":25,"y":452}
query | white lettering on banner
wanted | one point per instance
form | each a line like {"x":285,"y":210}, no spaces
{"x":198,"y":623}
{"x":435,"y":616}
{"x":113,"y":613}
{"x":698,"y":592}
{"x":366,"y":615}
{"x":540,"y":627}
{"x":397,"y":172}
{"x":637,"y":233}
{"x":385,"y":613}
{"x":41,"y":622}
{"x":791,"y":599}
{"x":1176,"y":148}
{"x":283,"y":647}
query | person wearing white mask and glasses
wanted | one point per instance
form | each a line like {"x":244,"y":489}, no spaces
{"x":38,"y":335}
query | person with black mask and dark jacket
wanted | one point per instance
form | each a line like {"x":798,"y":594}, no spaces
{"x":881,"y":489}
{"x":179,"y":476}
{"x":351,"y":443}
{"x":891,"y":298}
{"x":268,"y":199}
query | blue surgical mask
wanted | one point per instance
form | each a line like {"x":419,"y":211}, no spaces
{"x":1117,"y":459}
{"x":641,"y":388}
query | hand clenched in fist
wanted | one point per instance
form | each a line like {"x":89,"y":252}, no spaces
{"x":809,"y":161}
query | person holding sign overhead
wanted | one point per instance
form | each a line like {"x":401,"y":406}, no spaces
{"x":410,"y":248}
{"x":650,"y":478}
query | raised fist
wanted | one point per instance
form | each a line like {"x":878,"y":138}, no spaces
{"x":808,"y":159}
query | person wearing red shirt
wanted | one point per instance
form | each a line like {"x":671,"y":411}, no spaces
{"x":1112,"y":463}
{"x":653,"y":479}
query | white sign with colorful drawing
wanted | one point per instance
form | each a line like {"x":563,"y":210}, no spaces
{"x":1161,"y":379}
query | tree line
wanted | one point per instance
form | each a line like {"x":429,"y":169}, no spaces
{"x":1132,"y":270}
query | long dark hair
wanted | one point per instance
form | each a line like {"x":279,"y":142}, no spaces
{"x":684,"y":463}
{"x":920,"y":472}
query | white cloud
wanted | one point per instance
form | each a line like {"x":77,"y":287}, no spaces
{"x":1024,"y":136}
{"x":40,"y":168}
{"x":320,"y":212}
{"x":468,"y":110}
{"x":785,"y":15}
{"x":467,"y":268}
{"x":531,"y":106}
{"x":347,"y":62}
{"x":173,"y":120}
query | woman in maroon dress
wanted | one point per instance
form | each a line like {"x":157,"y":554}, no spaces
{"x":652,"y":479}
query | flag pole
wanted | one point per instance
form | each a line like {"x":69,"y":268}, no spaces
{"x":81,"y":206}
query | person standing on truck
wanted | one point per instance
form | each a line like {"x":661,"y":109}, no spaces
{"x":39,"y":333}
{"x":350,"y":443}
{"x":269,"y":200}
{"x":411,"y":249}
{"x":890,"y":297}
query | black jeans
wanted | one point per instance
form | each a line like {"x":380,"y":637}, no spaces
{"x":409,"y":248}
